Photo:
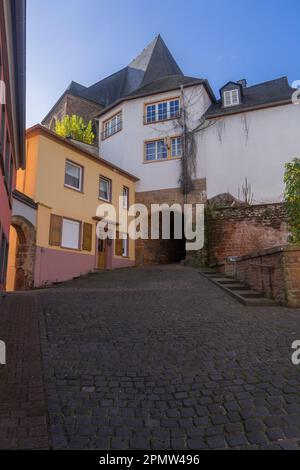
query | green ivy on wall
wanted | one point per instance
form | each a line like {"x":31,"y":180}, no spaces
{"x":74,"y":127}
{"x":292,"y":198}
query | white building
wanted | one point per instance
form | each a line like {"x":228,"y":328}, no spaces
{"x":251,"y":131}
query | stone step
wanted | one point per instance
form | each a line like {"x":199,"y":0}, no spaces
{"x":240,"y":292}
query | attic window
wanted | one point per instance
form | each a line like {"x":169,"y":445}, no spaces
{"x":231,"y":98}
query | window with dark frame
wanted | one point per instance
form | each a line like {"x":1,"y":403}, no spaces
{"x":105,"y":189}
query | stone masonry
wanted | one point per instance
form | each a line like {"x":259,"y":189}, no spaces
{"x":238,"y":231}
{"x":166,"y":251}
{"x":274,"y":272}
{"x":70,"y":104}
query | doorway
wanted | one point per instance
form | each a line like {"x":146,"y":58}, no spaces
{"x":102,"y":249}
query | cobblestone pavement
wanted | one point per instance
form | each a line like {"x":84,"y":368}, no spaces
{"x":160,"y":358}
{"x":23,"y":412}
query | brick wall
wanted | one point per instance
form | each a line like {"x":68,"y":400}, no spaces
{"x":166,"y":251}
{"x":237,"y":231}
{"x":70,"y":104}
{"x":274,"y":272}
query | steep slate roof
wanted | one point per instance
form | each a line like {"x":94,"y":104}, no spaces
{"x":173,"y":82}
{"x":154,"y":62}
{"x":263,"y":95}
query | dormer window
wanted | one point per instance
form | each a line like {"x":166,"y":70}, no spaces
{"x":231,"y":98}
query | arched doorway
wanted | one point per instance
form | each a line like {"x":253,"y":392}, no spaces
{"x":21,"y":259}
{"x":162,"y":251}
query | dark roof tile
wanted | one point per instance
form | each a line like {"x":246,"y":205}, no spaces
{"x":264,"y":94}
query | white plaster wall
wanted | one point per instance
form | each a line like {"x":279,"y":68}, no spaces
{"x":20,"y":209}
{"x":126,"y":148}
{"x":273,"y":140}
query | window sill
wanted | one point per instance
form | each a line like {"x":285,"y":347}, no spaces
{"x":145,"y":162}
{"x":74,"y":189}
{"x":77,"y":250}
{"x":161,"y":120}
{"x":111,"y":135}
{"x":108,"y":201}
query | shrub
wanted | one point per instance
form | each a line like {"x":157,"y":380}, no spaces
{"x":292,"y":198}
{"x":74,"y":127}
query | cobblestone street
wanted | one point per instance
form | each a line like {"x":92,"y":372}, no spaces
{"x":160,"y":358}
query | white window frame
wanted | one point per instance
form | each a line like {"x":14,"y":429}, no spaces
{"x":67,"y":245}
{"x":75,"y":165}
{"x":107,"y":180}
{"x":156,"y":159}
{"x":157,"y":112}
{"x":113,"y":125}
{"x":125,"y":197}
{"x":176,"y":139}
{"x":231,"y":98}
{"x":125,"y":245}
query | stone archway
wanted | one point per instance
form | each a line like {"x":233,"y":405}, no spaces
{"x":22,"y":248}
{"x":161,"y":251}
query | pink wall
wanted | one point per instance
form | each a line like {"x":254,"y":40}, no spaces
{"x":57,"y":266}
{"x":122,"y":263}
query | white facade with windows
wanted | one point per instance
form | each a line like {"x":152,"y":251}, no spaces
{"x":255,"y":144}
{"x":151,"y":134}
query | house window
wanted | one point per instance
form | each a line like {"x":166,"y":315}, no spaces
{"x":70,"y":234}
{"x":125,"y":197}
{"x":105,"y":189}
{"x":73,"y":176}
{"x":113,"y":125}
{"x":125,"y":249}
{"x":231,"y":98}
{"x":162,"y":111}
{"x":176,"y":147}
{"x":156,"y":150}
{"x":122,"y":245}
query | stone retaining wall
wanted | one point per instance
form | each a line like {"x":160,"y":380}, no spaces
{"x":274,"y":272}
{"x":238,"y":231}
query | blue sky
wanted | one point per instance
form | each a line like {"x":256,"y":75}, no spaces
{"x":86,"y":40}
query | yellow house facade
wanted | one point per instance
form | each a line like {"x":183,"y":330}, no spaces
{"x":68,"y":183}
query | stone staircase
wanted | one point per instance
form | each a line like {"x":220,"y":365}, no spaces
{"x":239,"y":291}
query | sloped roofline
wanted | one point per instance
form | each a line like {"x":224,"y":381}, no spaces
{"x":135,"y":95}
{"x":39,"y":129}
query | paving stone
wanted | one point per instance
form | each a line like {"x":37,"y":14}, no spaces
{"x":142,"y":372}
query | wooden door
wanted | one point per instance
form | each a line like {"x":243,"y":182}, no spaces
{"x":101,"y":254}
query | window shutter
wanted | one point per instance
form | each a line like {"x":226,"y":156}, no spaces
{"x":119,"y":245}
{"x":87,"y":237}
{"x":55,"y":230}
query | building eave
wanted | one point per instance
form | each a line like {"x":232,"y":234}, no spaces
{"x":42,"y":130}
{"x":152,"y":93}
{"x":247,"y":109}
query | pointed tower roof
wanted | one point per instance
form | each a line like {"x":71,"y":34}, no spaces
{"x":153,"y":63}
{"x":161,"y":63}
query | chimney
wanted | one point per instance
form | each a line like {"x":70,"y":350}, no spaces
{"x":242,"y":82}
